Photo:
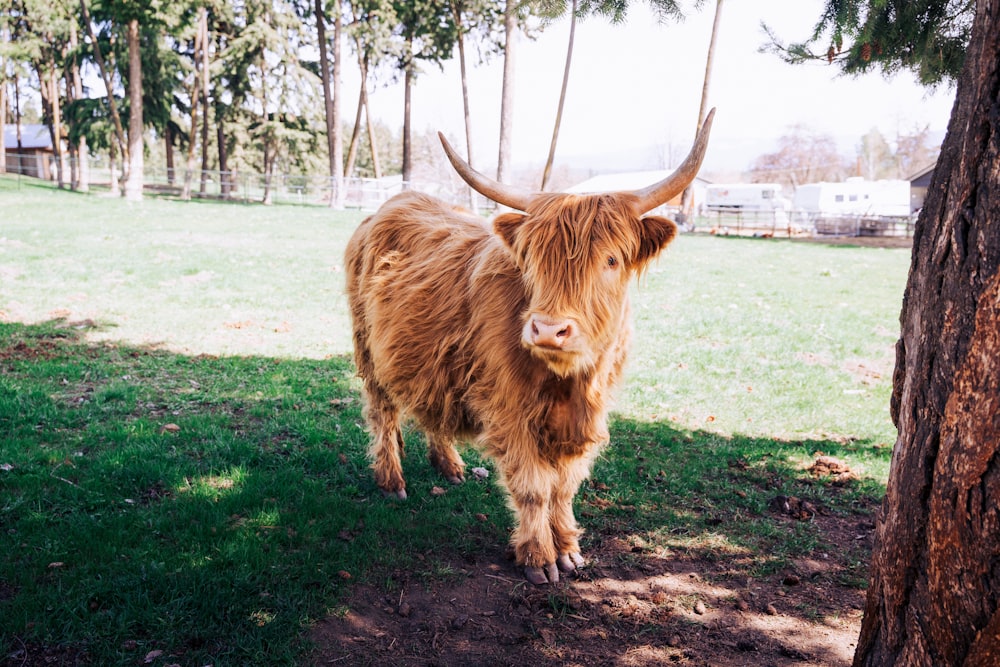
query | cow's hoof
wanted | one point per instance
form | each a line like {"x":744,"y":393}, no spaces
{"x":399,"y":495}
{"x":456,"y":479}
{"x":540,"y":576}
{"x":568,"y":562}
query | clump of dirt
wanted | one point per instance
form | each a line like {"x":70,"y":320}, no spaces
{"x":629,"y":606}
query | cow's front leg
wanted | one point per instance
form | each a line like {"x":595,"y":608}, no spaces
{"x":565,"y":531}
{"x":530,"y":488}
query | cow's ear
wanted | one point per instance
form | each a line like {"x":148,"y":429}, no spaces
{"x":656,"y":233}
{"x":505,"y":225}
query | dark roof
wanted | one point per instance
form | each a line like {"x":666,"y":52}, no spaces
{"x":32,"y":136}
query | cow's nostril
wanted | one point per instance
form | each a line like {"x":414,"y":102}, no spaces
{"x":562,"y":333}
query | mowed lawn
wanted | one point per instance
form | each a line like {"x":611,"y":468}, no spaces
{"x":182,"y":454}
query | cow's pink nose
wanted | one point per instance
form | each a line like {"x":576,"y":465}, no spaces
{"x":545,"y":333}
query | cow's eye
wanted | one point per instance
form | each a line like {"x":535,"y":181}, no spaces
{"x":612,"y":261}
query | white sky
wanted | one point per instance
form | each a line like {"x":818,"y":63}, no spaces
{"x":635,"y":89}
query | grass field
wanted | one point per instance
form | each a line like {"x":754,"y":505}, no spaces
{"x":182,"y":461}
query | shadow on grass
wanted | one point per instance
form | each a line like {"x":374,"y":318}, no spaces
{"x":212,"y":509}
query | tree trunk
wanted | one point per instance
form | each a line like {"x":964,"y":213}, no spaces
{"x":204,"y":103}
{"x":114,"y":185}
{"x":49,"y":89}
{"x":352,"y":151}
{"x":3,"y":117}
{"x":338,"y":130}
{"x":457,"y":14}
{"x":106,"y":78}
{"x":562,"y":99}
{"x":934,"y":597}
{"x":687,"y":201}
{"x":168,"y":145}
{"x":199,"y":43}
{"x":507,"y":94}
{"x":372,"y":141}
{"x":324,"y":75}
{"x":225,"y":178}
{"x":82,"y":180}
{"x":133,"y":186}
{"x":407,"y":129}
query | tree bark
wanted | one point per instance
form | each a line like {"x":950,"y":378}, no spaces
{"x":338,"y":131}
{"x":81,"y":181}
{"x":408,"y":76}
{"x":106,"y":78}
{"x":133,"y":186}
{"x":3,"y":117}
{"x":935,"y":577}
{"x":324,"y":75}
{"x":687,"y":201}
{"x":547,"y":171}
{"x":199,"y":43}
{"x":456,"y":8}
{"x":507,"y":92}
{"x":204,"y":102}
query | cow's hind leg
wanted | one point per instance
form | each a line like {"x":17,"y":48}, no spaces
{"x":445,"y":458}
{"x":386,"y":450}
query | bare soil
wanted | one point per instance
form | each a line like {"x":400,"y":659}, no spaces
{"x":629,"y":606}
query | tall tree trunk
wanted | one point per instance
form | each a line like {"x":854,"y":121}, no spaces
{"x":687,"y":200}
{"x":456,"y":9}
{"x":82,"y":180}
{"x":562,"y":98}
{"x":407,"y":128}
{"x":199,"y":44}
{"x":934,"y":597}
{"x":3,"y":118}
{"x":133,"y":186}
{"x":372,"y":141}
{"x":352,"y":152}
{"x":204,"y":103}
{"x":324,"y":75}
{"x":338,"y":130}
{"x":225,"y":177}
{"x":507,"y":94}
{"x":169,"y":137}
{"x":49,"y":88}
{"x":114,"y":184}
{"x":106,"y":78}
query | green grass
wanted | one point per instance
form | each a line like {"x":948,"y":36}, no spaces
{"x":181,"y":440}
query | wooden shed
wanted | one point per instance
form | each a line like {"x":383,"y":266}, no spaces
{"x":33,"y":155}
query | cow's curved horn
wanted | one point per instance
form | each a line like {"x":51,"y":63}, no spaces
{"x":515,"y":198}
{"x":660,"y":193}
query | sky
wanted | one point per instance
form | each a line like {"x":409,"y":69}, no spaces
{"x":634,"y":92}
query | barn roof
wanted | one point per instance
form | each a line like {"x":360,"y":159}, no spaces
{"x":627,"y":180}
{"x":32,"y":136}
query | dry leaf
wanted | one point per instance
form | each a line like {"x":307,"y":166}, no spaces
{"x":170,"y":428}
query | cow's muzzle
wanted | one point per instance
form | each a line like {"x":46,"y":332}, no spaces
{"x":549,"y":333}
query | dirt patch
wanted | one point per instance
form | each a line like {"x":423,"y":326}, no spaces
{"x":629,"y":606}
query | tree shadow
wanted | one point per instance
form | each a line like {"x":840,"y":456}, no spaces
{"x":218,"y":509}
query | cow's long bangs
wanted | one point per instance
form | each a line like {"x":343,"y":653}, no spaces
{"x":566,"y":234}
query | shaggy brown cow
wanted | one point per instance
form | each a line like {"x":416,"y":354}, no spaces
{"x":511,"y":337}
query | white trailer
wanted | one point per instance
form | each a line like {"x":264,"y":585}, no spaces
{"x":855,"y":196}
{"x":746,"y":197}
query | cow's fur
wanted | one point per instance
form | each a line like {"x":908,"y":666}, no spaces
{"x":441,"y":305}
